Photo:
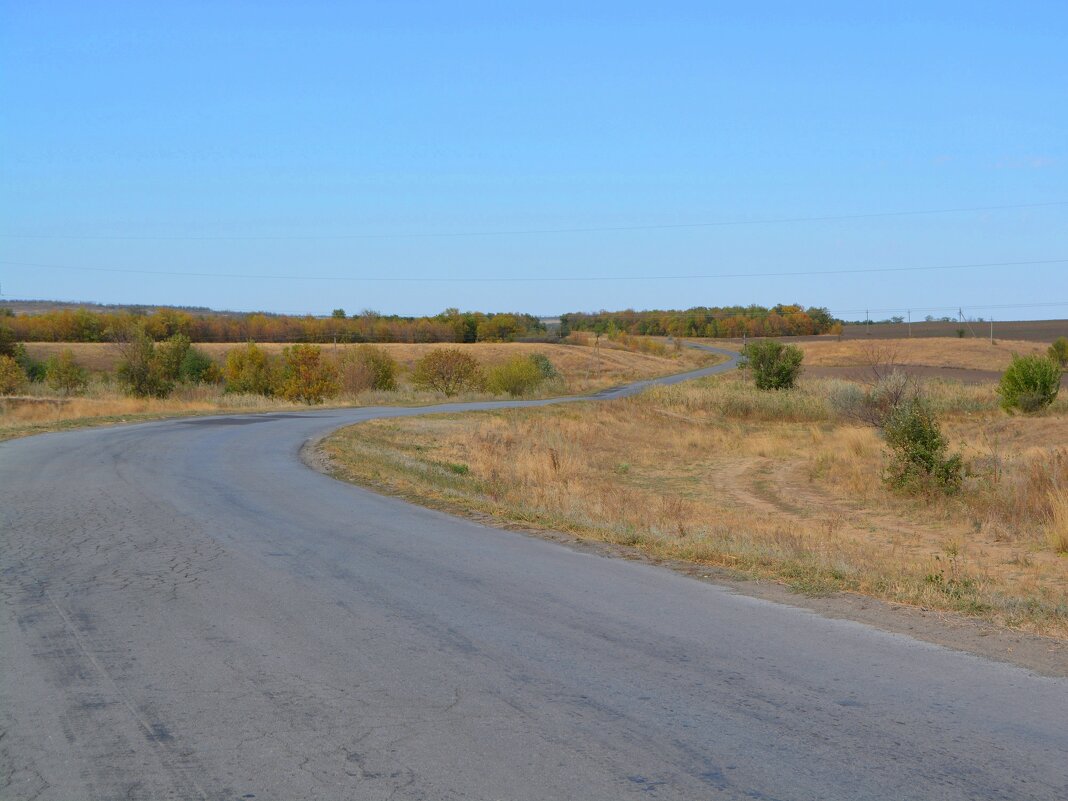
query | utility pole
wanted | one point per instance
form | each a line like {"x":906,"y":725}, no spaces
{"x":910,"y":323}
{"x":991,"y":330}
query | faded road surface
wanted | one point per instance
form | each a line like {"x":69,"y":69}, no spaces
{"x":188,"y":612}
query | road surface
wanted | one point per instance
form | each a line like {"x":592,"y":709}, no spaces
{"x":189,"y":612}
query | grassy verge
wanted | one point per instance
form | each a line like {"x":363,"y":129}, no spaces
{"x":770,"y":485}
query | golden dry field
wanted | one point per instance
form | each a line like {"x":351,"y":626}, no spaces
{"x":772,"y":484}
{"x":965,"y":354}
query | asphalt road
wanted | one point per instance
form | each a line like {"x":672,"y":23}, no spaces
{"x":189,"y":612}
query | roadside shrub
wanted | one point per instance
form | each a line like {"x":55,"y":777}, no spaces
{"x":34,"y":369}
{"x":7,"y":341}
{"x":448,"y":371}
{"x":198,"y":368}
{"x":306,"y":376}
{"x":64,"y":374}
{"x":1029,"y":384}
{"x":773,"y":364}
{"x":170,"y":354}
{"x":517,"y":376}
{"x":544,"y":365}
{"x":141,"y":373}
{"x":1058,"y":351}
{"x":249,"y":370}
{"x":12,"y":376}
{"x":919,"y":452}
{"x":367,"y":367}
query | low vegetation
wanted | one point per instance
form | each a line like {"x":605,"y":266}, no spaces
{"x":449,"y":371}
{"x":1030,"y":384}
{"x":772,"y":364}
{"x":52,"y":386}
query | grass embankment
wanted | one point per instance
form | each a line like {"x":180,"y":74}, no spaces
{"x":771,"y":485}
{"x":963,"y":354}
{"x":581,"y":370}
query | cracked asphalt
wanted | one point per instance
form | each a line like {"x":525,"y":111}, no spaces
{"x":189,"y":612}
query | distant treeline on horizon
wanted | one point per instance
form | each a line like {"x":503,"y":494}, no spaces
{"x":708,"y":321}
{"x":452,"y":325}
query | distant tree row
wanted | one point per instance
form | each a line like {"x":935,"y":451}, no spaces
{"x":708,"y":321}
{"x":452,"y":325}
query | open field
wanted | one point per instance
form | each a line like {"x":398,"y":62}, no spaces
{"x":1018,"y":330}
{"x":971,"y":361}
{"x":582,"y":369}
{"x":771,"y":485}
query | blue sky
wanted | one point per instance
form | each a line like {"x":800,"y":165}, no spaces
{"x":355,"y":142}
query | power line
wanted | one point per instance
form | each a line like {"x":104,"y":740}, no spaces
{"x":534,"y":231}
{"x":535,"y":278}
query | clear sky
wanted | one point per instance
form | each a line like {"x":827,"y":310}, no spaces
{"x":354,"y":142}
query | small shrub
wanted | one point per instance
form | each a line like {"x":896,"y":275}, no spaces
{"x":544,"y":365}
{"x":449,"y":371}
{"x":873,"y":404}
{"x":773,"y":364}
{"x":518,"y":376}
{"x":34,"y":369}
{"x":1058,"y":351}
{"x":170,"y":354}
{"x":141,"y":373}
{"x":7,"y":341}
{"x":919,"y":451}
{"x":64,"y":374}
{"x":306,"y":376}
{"x":249,"y":370}
{"x":367,"y":367}
{"x":1029,"y":384}
{"x":12,"y":376}
{"x":198,"y":368}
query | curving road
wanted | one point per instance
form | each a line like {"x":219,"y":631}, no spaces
{"x":188,"y":612}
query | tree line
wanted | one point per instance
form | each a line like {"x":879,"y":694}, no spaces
{"x":708,"y":321}
{"x":452,"y":325}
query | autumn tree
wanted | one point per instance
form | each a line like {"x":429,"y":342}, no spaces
{"x":306,"y":376}
{"x":449,"y":371}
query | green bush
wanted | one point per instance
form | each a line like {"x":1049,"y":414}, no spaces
{"x":250,"y":370}
{"x":449,"y":371}
{"x":198,"y":368}
{"x":12,"y":376}
{"x":367,"y":367}
{"x":306,"y":376}
{"x":141,"y":372}
{"x":773,"y":364}
{"x":518,"y":376}
{"x":64,"y":374}
{"x":545,"y":366}
{"x":170,"y":354}
{"x":1058,"y":351}
{"x":34,"y":369}
{"x":7,"y":341}
{"x":919,"y":451}
{"x":1030,"y":384}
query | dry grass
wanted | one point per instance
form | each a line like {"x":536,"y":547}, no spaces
{"x":769,"y":484}
{"x":26,"y":415}
{"x":971,"y":354}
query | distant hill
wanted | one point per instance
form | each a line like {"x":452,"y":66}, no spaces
{"x":43,"y":306}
